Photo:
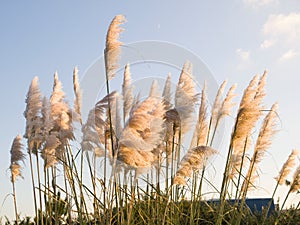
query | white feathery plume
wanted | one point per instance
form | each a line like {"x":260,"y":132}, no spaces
{"x":78,"y":94}
{"x":201,"y":128}
{"x":287,"y":167}
{"x":50,"y":137}
{"x":112,"y":49}
{"x":90,"y":138}
{"x":101,"y":110}
{"x":249,"y":113}
{"x":142,"y":134}
{"x":115,"y":115}
{"x":167,"y":98}
{"x":33,"y":117}
{"x":295,"y":185}
{"x":186,"y":98}
{"x":167,"y":92}
{"x":16,"y":156}
{"x":51,"y":152}
{"x":154,"y":90}
{"x":263,"y":142}
{"x":192,"y":161}
{"x":61,"y":112}
{"x":227,"y":104}
{"x":217,"y":103}
{"x":127,"y":92}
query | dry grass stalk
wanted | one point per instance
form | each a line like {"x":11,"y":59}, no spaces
{"x":16,"y":156}
{"x":186,"y":98}
{"x":192,"y":161}
{"x":112,"y":50}
{"x":127,"y":92}
{"x":263,"y":142}
{"x":78,"y":94}
{"x":287,"y":167}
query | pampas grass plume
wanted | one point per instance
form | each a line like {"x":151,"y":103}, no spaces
{"x":16,"y":156}
{"x":78,"y":94}
{"x":112,"y":50}
{"x":287,"y":167}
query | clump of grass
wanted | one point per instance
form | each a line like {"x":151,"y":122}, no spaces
{"x":138,"y":145}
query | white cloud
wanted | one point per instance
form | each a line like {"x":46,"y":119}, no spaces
{"x":283,"y":27}
{"x":267,"y":44}
{"x":259,"y":3}
{"x":244,"y":55}
{"x":288,"y":55}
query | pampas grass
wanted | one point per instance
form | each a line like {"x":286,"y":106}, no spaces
{"x":112,"y":50}
{"x":127,"y":92}
{"x":192,"y":161}
{"x":263,"y":142}
{"x":287,"y":167}
{"x":78,"y":95}
{"x":201,"y":128}
{"x":143,"y":140}
{"x":143,"y":133}
{"x":17,"y":156}
{"x":34,"y":132}
{"x":186,"y":98}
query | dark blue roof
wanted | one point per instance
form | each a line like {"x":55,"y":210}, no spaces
{"x":254,"y":204}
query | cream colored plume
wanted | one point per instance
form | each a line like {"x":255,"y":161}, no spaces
{"x":142,"y":134}
{"x":32,"y":114}
{"x":48,"y":123}
{"x":154,"y":89}
{"x":287,"y":167}
{"x":186,"y":98}
{"x":249,"y":113}
{"x":101,"y":115}
{"x":61,"y":112}
{"x":90,"y":138}
{"x":112,"y":50}
{"x":227,"y":104}
{"x":201,"y":128}
{"x":263,"y":143}
{"x":216,"y":108}
{"x":295,"y":186}
{"x":115,"y":115}
{"x":193,"y":160}
{"x":167,"y":92}
{"x":78,"y":94}
{"x":52,"y":151}
{"x":16,"y":156}
{"x":127,"y":92}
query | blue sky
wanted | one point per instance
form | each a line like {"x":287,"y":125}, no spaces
{"x":235,"y":39}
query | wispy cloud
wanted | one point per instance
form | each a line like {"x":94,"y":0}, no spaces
{"x":259,"y":3}
{"x":244,"y":55}
{"x":267,"y":44}
{"x":283,"y":27}
{"x":288,"y":55}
